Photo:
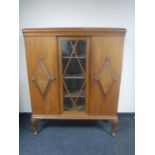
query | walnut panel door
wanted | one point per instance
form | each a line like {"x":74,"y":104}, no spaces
{"x":106,"y":60}
{"x":42,"y":63}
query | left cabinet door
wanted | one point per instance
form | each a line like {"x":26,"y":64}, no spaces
{"x":42,"y":66}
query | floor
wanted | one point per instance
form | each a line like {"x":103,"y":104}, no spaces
{"x":57,"y":137}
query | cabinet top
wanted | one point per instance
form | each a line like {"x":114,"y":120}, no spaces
{"x":73,"y":31}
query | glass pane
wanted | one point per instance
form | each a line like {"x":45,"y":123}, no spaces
{"x":73,"y":67}
{"x":81,"y":48}
{"x":67,"y":46}
{"x":81,"y":104}
{"x":73,"y":70}
{"x":74,"y":87}
{"x":67,"y":104}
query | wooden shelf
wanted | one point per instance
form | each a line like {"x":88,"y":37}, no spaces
{"x":75,"y":76}
{"x":80,"y":57}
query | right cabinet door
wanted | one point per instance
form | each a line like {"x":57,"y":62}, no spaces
{"x":106,"y":62}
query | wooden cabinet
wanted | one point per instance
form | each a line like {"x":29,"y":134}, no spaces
{"x":74,"y":73}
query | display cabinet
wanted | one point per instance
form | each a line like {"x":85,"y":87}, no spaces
{"x":74,"y":73}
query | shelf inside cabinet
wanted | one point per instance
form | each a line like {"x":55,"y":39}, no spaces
{"x":74,"y":57}
{"x":75,"y":76}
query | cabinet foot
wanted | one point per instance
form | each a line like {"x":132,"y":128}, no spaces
{"x":35,"y":133}
{"x":114,"y":126}
{"x":34,"y":125}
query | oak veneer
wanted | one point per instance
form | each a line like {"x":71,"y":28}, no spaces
{"x":74,"y":73}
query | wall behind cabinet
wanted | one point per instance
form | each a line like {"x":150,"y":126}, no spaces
{"x":80,"y":13}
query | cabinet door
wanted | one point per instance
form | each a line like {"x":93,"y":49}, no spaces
{"x":73,"y":66}
{"x":41,"y":53}
{"x":106,"y":61}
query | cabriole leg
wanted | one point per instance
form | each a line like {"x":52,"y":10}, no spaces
{"x":34,"y":125}
{"x":114,"y":126}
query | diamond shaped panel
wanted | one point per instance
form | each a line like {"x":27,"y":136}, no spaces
{"x":105,"y":76}
{"x":41,"y":77}
{"x":106,"y":79}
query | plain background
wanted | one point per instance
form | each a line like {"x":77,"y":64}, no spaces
{"x":80,"y":13}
